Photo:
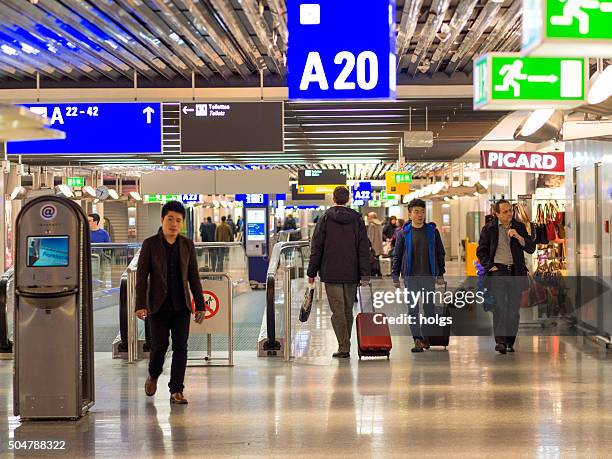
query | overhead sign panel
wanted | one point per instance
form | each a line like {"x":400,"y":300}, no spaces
{"x":313,"y":181}
{"x":341,"y":49}
{"x":362,"y":192}
{"x":552,"y":162}
{"x":97,"y":128}
{"x":508,"y":81}
{"x":567,"y":28}
{"x":398,"y":182}
{"x":232,"y":127}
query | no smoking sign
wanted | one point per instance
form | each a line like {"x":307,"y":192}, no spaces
{"x":216,"y":295}
{"x":211,"y":304}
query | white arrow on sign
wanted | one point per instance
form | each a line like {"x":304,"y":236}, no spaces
{"x":187,"y":110}
{"x":542,"y":78}
{"x":148,"y":111}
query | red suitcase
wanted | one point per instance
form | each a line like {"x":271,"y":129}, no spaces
{"x":373,"y":337}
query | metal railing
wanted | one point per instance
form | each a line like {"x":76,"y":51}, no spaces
{"x":211,"y":256}
{"x":291,"y":235}
{"x":283,"y":259}
{"x":6,"y":345}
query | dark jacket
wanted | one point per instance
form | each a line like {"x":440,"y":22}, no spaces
{"x":487,"y":246}
{"x":388,"y":230}
{"x":402,"y":252}
{"x":224,"y":233}
{"x":208,"y":233}
{"x":232,"y":225}
{"x":151,"y":276}
{"x":339,"y":250}
{"x":289,"y":224}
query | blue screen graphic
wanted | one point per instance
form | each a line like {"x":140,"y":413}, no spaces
{"x":47,"y":251}
{"x":362,"y":192}
{"x":341,"y":49}
{"x":92,"y":128}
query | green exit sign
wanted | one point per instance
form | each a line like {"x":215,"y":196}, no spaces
{"x":508,"y":81}
{"x":161,"y":198}
{"x":403,"y":177}
{"x":75,"y":182}
{"x":567,"y":28}
{"x":384,"y":196}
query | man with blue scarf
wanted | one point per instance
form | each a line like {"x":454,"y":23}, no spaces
{"x":419,"y":258}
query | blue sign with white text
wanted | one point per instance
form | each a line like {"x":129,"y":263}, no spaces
{"x":97,"y":128}
{"x":362,"y":192}
{"x":253,"y":200}
{"x":341,"y":49}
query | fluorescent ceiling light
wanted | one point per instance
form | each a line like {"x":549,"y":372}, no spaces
{"x":64,"y":190}
{"x":536,"y":120}
{"x":601,"y":86}
{"x":135,"y":195}
{"x":89,"y":190}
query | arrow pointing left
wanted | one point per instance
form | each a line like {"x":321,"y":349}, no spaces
{"x":148,"y":111}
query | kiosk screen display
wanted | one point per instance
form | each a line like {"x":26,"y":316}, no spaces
{"x":47,"y":251}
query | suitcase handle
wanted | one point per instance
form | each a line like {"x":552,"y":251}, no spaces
{"x":360,"y":296}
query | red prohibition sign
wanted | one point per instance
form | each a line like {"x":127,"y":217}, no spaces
{"x":210,"y":310}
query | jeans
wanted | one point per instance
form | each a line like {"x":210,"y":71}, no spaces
{"x":162,"y":324}
{"x":422,"y":284}
{"x":341,"y":298}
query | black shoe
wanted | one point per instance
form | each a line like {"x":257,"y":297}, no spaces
{"x":501,"y":348}
{"x":426,"y":344}
{"x":341,"y":355}
{"x":418,"y":346}
{"x":510,"y":349}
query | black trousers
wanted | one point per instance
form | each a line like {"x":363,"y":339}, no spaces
{"x":507,"y":290}
{"x":162,"y":324}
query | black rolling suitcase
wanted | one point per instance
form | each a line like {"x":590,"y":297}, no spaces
{"x":440,"y":335}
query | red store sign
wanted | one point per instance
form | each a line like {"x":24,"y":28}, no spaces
{"x":551,"y":162}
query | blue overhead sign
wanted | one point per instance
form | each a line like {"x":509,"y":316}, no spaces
{"x":362,"y":192}
{"x":341,"y":49}
{"x":96,"y":128}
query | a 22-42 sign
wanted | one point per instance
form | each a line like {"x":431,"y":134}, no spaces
{"x":341,"y":49}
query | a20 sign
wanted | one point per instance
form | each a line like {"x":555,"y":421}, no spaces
{"x":330,"y":57}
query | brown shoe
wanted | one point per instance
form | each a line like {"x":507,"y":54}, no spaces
{"x":425,"y":343}
{"x":150,"y":386}
{"x":178,"y":398}
{"x":418,"y":346}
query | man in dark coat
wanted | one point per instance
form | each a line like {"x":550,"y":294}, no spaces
{"x":501,"y":248}
{"x":339,"y":254}
{"x":167,"y":273}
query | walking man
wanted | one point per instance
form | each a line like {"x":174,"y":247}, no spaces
{"x":501,"y":248}
{"x":167,"y":272}
{"x":419,"y":257}
{"x":339,"y":254}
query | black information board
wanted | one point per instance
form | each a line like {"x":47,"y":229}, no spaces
{"x":295,"y":196}
{"x":232,"y":127}
{"x":322,"y":177}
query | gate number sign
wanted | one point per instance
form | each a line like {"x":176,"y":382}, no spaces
{"x":341,"y":49}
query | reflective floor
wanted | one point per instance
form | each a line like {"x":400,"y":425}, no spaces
{"x":551,"y":398}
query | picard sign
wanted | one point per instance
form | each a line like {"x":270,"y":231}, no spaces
{"x":551,"y":162}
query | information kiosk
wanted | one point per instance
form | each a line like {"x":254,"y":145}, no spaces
{"x":54,"y":372}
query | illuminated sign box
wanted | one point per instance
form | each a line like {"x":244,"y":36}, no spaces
{"x":552,"y":162}
{"x":75,"y":182}
{"x":567,"y":28}
{"x":508,"y":81}
{"x":398,"y":182}
{"x":319,"y":181}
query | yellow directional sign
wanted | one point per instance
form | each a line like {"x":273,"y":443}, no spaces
{"x":398,"y":182}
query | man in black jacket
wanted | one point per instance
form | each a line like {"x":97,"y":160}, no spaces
{"x":339,"y":253}
{"x":501,"y":248}
{"x":167,"y":272}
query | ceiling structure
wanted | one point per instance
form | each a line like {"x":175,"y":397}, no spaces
{"x":76,"y":43}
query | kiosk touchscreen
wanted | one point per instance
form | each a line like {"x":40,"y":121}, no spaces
{"x":53,"y":311}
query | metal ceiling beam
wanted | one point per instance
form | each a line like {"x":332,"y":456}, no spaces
{"x":508,"y":20}
{"x":463,"y":12}
{"x":164,"y":32}
{"x":175,"y":19}
{"x":154,"y":44}
{"x":231,"y":22}
{"x":470,"y":42}
{"x":206,"y":25}
{"x":428,"y":34}
{"x":122,"y":38}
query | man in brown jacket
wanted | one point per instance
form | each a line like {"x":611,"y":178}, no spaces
{"x":223,"y":233}
{"x":167,"y":272}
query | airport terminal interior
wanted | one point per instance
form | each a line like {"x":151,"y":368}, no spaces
{"x":278,"y":186}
